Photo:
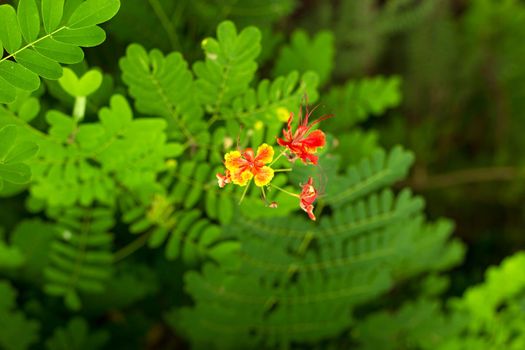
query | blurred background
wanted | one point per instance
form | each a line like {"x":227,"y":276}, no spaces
{"x":458,"y":90}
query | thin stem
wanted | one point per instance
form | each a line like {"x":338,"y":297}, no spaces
{"x":165,"y":22}
{"x":282,"y":170}
{"x":131,"y":247}
{"x":277,"y":158}
{"x":245,"y":191}
{"x":285,"y":191}
{"x":31,"y":44}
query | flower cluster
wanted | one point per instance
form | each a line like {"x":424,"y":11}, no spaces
{"x":243,"y":166}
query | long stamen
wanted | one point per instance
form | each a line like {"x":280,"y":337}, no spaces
{"x":245,"y":191}
{"x":285,"y":191}
{"x":282,"y":170}
{"x":277,"y":158}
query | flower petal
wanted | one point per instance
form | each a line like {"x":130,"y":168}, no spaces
{"x":233,"y":161}
{"x":264,"y":153}
{"x":241,"y":178}
{"x":263,"y":176}
{"x":315,"y":139}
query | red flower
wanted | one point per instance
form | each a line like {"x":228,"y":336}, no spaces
{"x":307,"y":198}
{"x":302,"y":143}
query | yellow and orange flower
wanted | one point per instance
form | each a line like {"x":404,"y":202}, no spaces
{"x":242,"y":167}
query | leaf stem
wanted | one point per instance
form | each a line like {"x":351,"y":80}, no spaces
{"x":132,"y":247}
{"x":32,"y":44}
{"x":79,"y":110}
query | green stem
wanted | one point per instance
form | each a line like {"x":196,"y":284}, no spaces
{"x":245,"y":191}
{"x":285,"y":191}
{"x":31,"y":44}
{"x":79,"y":110}
{"x":282,"y":170}
{"x":277,"y":158}
{"x":166,"y":23}
{"x":131,"y":247}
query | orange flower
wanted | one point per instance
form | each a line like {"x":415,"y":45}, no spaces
{"x":223,"y":179}
{"x":300,"y":143}
{"x":307,"y":198}
{"x":245,"y":166}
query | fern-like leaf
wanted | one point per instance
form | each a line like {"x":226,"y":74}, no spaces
{"x":80,"y":258}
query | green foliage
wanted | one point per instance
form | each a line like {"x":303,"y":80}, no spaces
{"x":80,"y":256}
{"x":304,"y":54}
{"x":36,"y":53}
{"x":13,"y":155}
{"x":17,"y":332}
{"x":87,"y":162}
{"x":76,"y":336}
{"x":114,"y":208}
{"x":299,"y":284}
{"x":487,"y":316}
{"x":229,"y":65}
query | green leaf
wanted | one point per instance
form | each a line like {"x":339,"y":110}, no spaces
{"x":16,"y":331}
{"x":33,"y":238}
{"x":296,"y":57}
{"x":16,"y":173}
{"x":85,"y":37}
{"x":85,"y":86}
{"x":29,"y":109}
{"x":39,"y":64}
{"x":60,"y":52}
{"x":7,"y":139}
{"x":10,"y":34}
{"x":76,"y":335}
{"x":93,"y":12}
{"x":229,"y":66}
{"x":21,"y":152}
{"x":10,"y":257}
{"x":19,"y":76}
{"x":7,"y":92}
{"x":29,"y":19}
{"x":61,"y":125}
{"x":52,"y":11}
{"x":227,"y":254}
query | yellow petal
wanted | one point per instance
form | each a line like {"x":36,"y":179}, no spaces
{"x":233,"y":161}
{"x":263,"y":176}
{"x":241,"y":178}
{"x":265,"y":153}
